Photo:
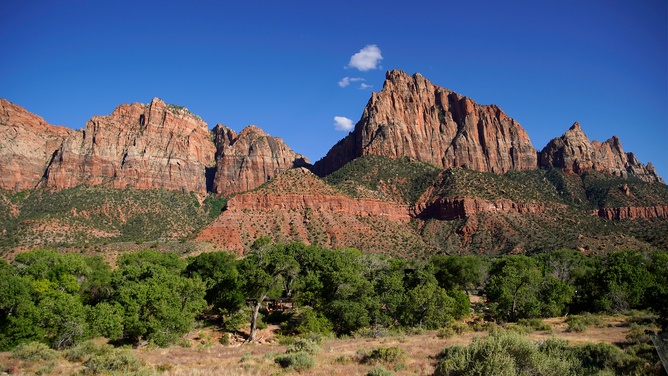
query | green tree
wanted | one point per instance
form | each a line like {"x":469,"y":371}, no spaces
{"x":348,"y":298}
{"x":219,"y":271}
{"x":260,"y":273}
{"x":159,"y":303}
{"x":19,"y":317}
{"x":458,"y":272}
{"x":620,"y":282}
{"x":514,"y":286}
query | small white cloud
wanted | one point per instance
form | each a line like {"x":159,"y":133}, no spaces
{"x":365,"y":86}
{"x":366,"y":59}
{"x":347,"y":80}
{"x":343,"y":123}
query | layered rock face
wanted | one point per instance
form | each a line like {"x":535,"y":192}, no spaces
{"x":146,"y":146}
{"x":247,"y":160}
{"x":298,"y":206}
{"x":573,"y":152}
{"x":27,"y":145}
{"x":633,"y":212}
{"x":412,"y":117}
{"x":460,"y":208}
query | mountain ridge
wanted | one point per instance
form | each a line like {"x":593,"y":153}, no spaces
{"x":157,"y":145}
{"x":426,"y":170}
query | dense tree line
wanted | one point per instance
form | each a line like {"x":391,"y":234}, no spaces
{"x":64,"y":299}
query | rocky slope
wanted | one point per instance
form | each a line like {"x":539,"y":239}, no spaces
{"x":247,"y":160}
{"x":573,"y":152}
{"x":415,"y":118}
{"x":143,"y":145}
{"x":298,"y":206}
{"x":27,"y":145}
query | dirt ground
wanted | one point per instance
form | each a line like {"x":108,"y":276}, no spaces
{"x":207,"y":356}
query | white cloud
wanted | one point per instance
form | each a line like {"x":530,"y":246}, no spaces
{"x":365,"y":86}
{"x":347,"y":80}
{"x":343,"y":123}
{"x":366,"y":59}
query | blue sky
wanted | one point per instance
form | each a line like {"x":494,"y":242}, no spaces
{"x":277,"y":65}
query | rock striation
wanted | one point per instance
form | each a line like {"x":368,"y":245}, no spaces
{"x":247,"y":160}
{"x":415,"y":118}
{"x":147,"y":146}
{"x":573,"y":152}
{"x":298,"y":206}
{"x":632,"y":212}
{"x":27,"y":146}
{"x":464,"y":207}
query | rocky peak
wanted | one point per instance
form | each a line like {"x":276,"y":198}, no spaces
{"x":247,"y":160}
{"x":415,"y":118}
{"x":573,"y":152}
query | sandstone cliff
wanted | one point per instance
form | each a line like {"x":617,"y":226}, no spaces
{"x":247,"y":160}
{"x":573,"y":152}
{"x":144,"y":145}
{"x":464,"y":207}
{"x":412,"y":117}
{"x":633,"y":212}
{"x":27,"y":145}
{"x":147,"y":146}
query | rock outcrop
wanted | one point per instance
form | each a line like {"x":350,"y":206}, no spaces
{"x":298,"y":206}
{"x":460,"y":208}
{"x":27,"y":145}
{"x":147,"y":146}
{"x":247,"y":160}
{"x":412,"y":117}
{"x":573,"y":152}
{"x":299,"y":189}
{"x":633,"y":212}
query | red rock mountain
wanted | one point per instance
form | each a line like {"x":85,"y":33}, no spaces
{"x":144,"y":145}
{"x":573,"y":152}
{"x":153,"y":145}
{"x":415,"y":118}
{"x":27,"y":145}
{"x":247,"y":160}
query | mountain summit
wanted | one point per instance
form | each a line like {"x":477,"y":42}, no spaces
{"x":413,"y":117}
{"x":573,"y":152}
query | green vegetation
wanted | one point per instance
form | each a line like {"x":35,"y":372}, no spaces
{"x":84,"y":216}
{"x":59,"y":301}
{"x":64,"y":299}
{"x":511,"y":354}
{"x":300,"y":361}
{"x":403,"y":179}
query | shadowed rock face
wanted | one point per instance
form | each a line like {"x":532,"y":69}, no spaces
{"x":27,"y":146}
{"x":144,"y":145}
{"x":247,"y":160}
{"x":573,"y":152}
{"x":412,"y":117}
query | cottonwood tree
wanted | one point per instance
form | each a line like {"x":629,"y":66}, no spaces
{"x":260,"y":273}
{"x":514,"y":286}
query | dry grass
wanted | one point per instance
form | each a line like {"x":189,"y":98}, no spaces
{"x":338,"y":357}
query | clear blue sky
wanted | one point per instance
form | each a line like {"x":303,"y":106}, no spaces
{"x":545,"y":63}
